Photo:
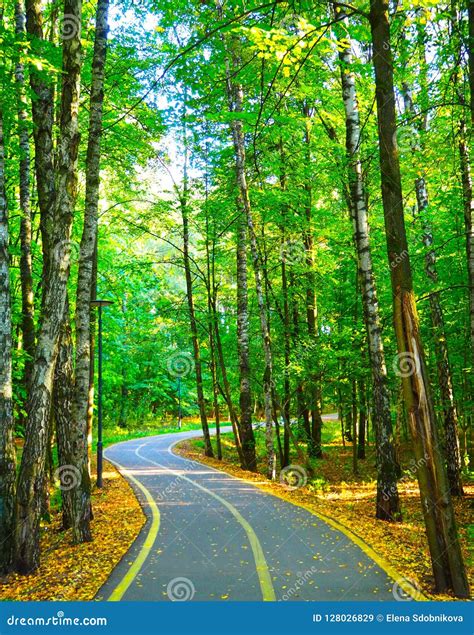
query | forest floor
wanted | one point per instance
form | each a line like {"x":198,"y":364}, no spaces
{"x":76,"y":572}
{"x":334,"y":491}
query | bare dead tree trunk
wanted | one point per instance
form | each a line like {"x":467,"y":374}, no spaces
{"x":446,"y":556}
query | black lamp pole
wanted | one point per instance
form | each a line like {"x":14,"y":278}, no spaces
{"x":179,"y":402}
{"x":99,"y":304}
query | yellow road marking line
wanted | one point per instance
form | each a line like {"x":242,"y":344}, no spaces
{"x":264,"y":577}
{"x":129,"y":577}
{"x":402,"y":582}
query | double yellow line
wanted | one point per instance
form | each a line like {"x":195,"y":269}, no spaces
{"x":264,"y":577}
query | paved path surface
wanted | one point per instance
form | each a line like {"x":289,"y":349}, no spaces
{"x":210,"y":536}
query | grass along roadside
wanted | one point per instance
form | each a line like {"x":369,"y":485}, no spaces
{"x":115,"y":434}
{"x":350,"y":500}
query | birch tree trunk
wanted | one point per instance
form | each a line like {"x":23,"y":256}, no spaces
{"x":81,"y":505}
{"x":446,"y":556}
{"x":387,"y":502}
{"x":31,"y":474}
{"x":42,"y":107}
{"x":27,"y":299}
{"x":470,"y":5}
{"x":63,"y":395}
{"x":7,"y":423}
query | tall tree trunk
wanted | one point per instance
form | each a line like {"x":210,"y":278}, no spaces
{"x":63,"y":395}
{"x":227,"y":392}
{"x":27,"y":298}
{"x":235,"y":96}
{"x":287,"y":387}
{"x":468,"y":221}
{"x":286,"y":409}
{"x":7,"y":423}
{"x":194,"y":329}
{"x":184,"y":207}
{"x":387,"y":503}
{"x":303,"y":413}
{"x":93,"y":321}
{"x":450,"y":418}
{"x":43,"y":89}
{"x":245,"y":398}
{"x":470,"y":48}
{"x":31,"y":473}
{"x":42,"y":108}
{"x":354,"y":419}
{"x":81,"y":493}
{"x":362,"y":421}
{"x":447,"y":562}
{"x":464,"y":158}
{"x":211,"y":300}
{"x":315,"y":448}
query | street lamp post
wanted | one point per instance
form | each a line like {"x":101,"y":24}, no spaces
{"x":179,"y":402}
{"x":99,"y":304}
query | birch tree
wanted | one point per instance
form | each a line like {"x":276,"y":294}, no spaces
{"x":31,"y":475}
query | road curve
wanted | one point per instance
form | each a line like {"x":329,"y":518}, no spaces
{"x":210,"y":536}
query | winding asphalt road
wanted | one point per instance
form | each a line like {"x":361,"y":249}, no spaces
{"x":210,"y":536}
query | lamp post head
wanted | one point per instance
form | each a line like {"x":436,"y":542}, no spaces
{"x":97,"y":302}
